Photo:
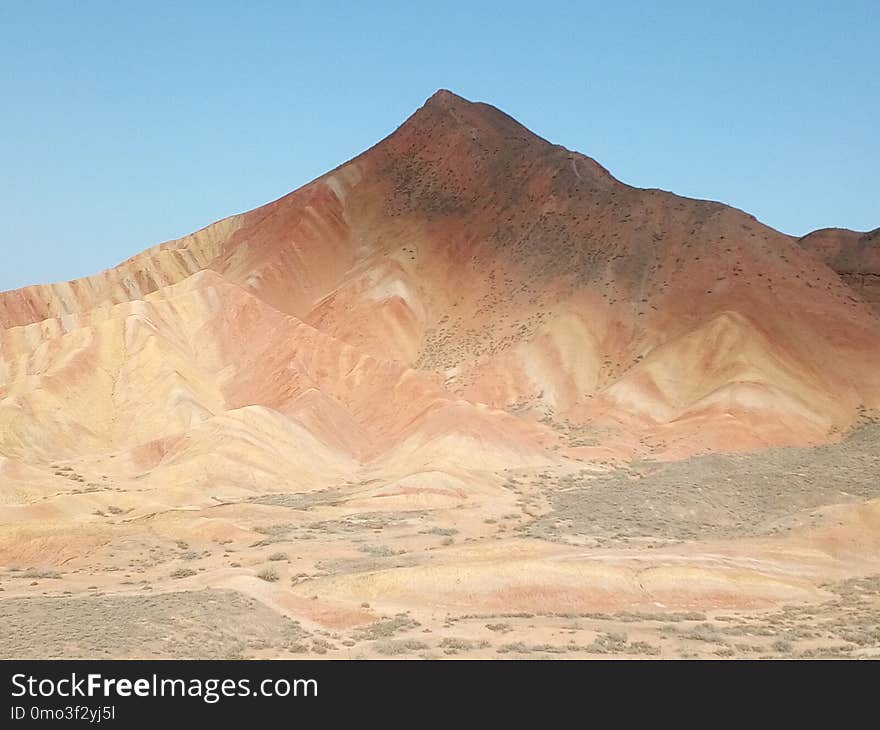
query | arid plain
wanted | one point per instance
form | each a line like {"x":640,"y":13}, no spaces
{"x":466,"y":395}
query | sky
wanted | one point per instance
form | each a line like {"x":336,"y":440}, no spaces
{"x":123,"y":125}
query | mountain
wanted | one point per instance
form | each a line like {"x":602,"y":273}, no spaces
{"x":462,"y":290}
{"x":854,"y":256}
{"x":467,"y":371}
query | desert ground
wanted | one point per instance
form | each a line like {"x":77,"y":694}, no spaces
{"x":762,"y":555}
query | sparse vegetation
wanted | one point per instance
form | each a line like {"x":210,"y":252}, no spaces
{"x":38,"y":574}
{"x":270,"y":575}
{"x":396,"y":647}
{"x":183,"y":573}
{"x":501,"y":627}
{"x":379,"y":551}
{"x":751,"y":494}
{"x":212,"y":624}
{"x":387,"y":627}
{"x":454,"y":644}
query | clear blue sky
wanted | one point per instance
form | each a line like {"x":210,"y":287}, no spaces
{"x":125,"y":124}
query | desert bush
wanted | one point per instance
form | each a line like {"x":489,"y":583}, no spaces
{"x":268,"y":574}
{"x":387,"y":627}
{"x":457,"y":644}
{"x":33,"y":573}
{"x":379,"y":551}
{"x":502,"y":627}
{"x":515,"y":648}
{"x":395,"y":647}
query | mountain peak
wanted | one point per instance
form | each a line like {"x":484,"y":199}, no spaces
{"x":444,"y":101}
{"x":445,"y":97}
{"x":455,"y":112}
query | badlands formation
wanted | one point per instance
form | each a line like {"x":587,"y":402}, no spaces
{"x":465,"y":395}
